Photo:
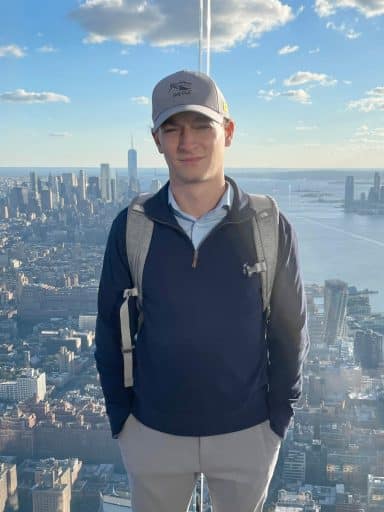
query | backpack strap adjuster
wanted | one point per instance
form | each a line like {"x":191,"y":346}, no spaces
{"x":259,"y":266}
{"x":126,"y":340}
{"x":130,"y":292}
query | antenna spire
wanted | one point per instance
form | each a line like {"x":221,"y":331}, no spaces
{"x":207,"y":35}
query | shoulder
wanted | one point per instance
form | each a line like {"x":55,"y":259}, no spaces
{"x":286,"y":229}
{"x":119,"y":222}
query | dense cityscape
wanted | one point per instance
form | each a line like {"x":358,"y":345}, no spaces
{"x":52,"y":414}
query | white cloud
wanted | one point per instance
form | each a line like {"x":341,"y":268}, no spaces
{"x":94,"y":39}
{"x":352,"y":34}
{"x":324,"y":8}
{"x":268,"y":95}
{"x":22,"y":96}
{"x":347,"y":82}
{"x":367,"y":104}
{"x":368,"y":8}
{"x":60,"y":134}
{"x":304,"y":77}
{"x":285,"y":50}
{"x":140,"y":100}
{"x":124,"y":52}
{"x":349,"y":33}
{"x":171,"y":22}
{"x":272,"y":82}
{"x":298,"y":95}
{"x":119,"y":71}
{"x":377,"y":91}
{"x":365,"y":135}
{"x":300,"y":10}
{"x":11,"y":50}
{"x":373,"y":101}
{"x":315,"y":50}
{"x":47,"y":49}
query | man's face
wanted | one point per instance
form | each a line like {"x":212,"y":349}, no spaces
{"x":193,"y":146}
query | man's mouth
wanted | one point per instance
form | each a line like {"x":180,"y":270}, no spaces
{"x":191,"y":159}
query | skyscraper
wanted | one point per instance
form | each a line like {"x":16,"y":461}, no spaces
{"x":376,"y":181}
{"x":105,"y":182}
{"x":155,"y":185}
{"x":46,"y":200}
{"x":368,"y":348}
{"x":82,"y":188}
{"x":134,"y":186}
{"x":113,"y":190}
{"x":349,"y":193}
{"x":18,"y":200}
{"x":335,"y":309}
{"x":69,"y":183}
{"x":33,"y":183}
{"x":93,"y":187}
{"x":375,"y":493}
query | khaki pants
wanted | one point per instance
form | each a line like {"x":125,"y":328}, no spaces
{"x":163,"y":468}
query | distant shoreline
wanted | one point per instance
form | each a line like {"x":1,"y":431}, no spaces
{"x":251,"y":172}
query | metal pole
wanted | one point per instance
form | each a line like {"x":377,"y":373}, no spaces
{"x":208,"y":36}
{"x":201,"y":35}
{"x":201,"y":492}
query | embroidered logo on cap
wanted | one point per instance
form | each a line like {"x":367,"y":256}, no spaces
{"x":180,"y":88}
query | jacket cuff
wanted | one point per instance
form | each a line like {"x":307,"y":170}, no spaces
{"x":280,"y":415}
{"x":118,"y":413}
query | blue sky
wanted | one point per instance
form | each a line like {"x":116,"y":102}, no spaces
{"x":304,"y":80}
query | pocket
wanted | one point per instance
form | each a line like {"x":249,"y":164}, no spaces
{"x":273,"y":433}
{"x":125,"y":426}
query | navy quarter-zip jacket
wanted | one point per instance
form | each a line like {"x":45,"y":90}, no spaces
{"x":205,"y":361}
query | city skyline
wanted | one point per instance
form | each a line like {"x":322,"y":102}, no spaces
{"x":301,"y":80}
{"x":52,"y":412}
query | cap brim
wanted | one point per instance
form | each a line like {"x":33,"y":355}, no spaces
{"x":206,"y":111}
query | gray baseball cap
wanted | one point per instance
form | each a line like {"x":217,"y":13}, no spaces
{"x":187,"y":91}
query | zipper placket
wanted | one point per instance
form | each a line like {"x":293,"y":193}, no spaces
{"x":196,"y":251}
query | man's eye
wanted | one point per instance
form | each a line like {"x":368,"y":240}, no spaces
{"x":169,"y":129}
{"x":202,"y":126}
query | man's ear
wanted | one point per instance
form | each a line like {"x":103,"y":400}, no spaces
{"x":229,"y":129}
{"x":156,"y":138}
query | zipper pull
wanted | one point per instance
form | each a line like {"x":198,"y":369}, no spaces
{"x":195,"y":256}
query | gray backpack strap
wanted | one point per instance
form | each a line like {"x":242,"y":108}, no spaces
{"x":138,"y":237}
{"x":266,"y":237}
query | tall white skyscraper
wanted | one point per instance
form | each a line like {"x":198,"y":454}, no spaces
{"x":134,"y":185}
{"x":82,"y":184}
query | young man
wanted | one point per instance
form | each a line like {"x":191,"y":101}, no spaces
{"x":214,"y":378}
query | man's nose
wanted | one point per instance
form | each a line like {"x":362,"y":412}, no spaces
{"x":187,"y":139}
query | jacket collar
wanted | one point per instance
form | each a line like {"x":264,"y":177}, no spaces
{"x":157,"y":207}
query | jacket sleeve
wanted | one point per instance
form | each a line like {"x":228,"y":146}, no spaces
{"x":115,"y":277}
{"x":287,"y":333}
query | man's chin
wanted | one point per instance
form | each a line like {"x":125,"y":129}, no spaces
{"x":190,"y":180}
